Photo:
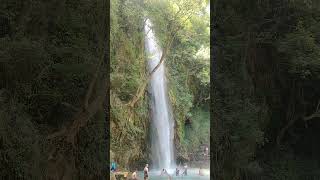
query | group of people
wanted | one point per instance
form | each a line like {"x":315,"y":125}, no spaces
{"x":185,"y":172}
{"x":115,"y":169}
{"x":134,"y":175}
{"x":163,"y":172}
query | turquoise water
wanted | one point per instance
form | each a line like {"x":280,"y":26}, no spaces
{"x":192,"y":175}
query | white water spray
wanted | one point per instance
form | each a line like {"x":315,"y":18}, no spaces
{"x":162,"y":121}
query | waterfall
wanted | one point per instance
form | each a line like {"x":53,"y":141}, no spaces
{"x":162,"y":123}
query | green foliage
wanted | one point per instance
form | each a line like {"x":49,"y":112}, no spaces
{"x":199,"y":132}
{"x":290,"y":167}
{"x":90,"y":159}
{"x":47,"y":58}
{"x":302,"y":50}
{"x":20,"y":144}
{"x":267,"y":59}
{"x":169,"y":16}
{"x":188,"y":66}
{"x":127,"y":56}
{"x":186,"y":70}
{"x":129,"y":126}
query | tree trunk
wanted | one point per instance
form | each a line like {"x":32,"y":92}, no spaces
{"x":142,"y":88}
{"x":316,"y":114}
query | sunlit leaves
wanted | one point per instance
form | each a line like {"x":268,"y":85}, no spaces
{"x":302,"y":50}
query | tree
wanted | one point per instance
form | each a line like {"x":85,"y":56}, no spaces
{"x":177,"y":14}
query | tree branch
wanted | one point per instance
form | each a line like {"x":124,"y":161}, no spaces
{"x":90,"y":108}
{"x":91,"y":85}
{"x":290,"y":116}
{"x":142,"y":88}
{"x":70,"y":106}
{"x":316,"y":114}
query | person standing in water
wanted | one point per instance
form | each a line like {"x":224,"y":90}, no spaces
{"x":134,"y":175}
{"x":113,"y":166}
{"x":206,"y":151}
{"x":185,"y":169}
{"x":146,"y":172}
{"x":200,"y":171}
{"x":177,"y":171}
{"x":163,"y":172}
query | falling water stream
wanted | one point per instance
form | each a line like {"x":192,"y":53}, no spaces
{"x":162,"y":122}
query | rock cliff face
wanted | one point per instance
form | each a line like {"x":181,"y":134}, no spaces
{"x":187,"y":73}
{"x":129,"y":125}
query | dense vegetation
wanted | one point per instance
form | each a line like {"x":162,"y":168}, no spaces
{"x":182,"y":28}
{"x":188,"y":70}
{"x":129,"y":125}
{"x":53,"y":84}
{"x":266,"y":89}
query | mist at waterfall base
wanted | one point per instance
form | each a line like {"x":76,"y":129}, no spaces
{"x":162,"y":124}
